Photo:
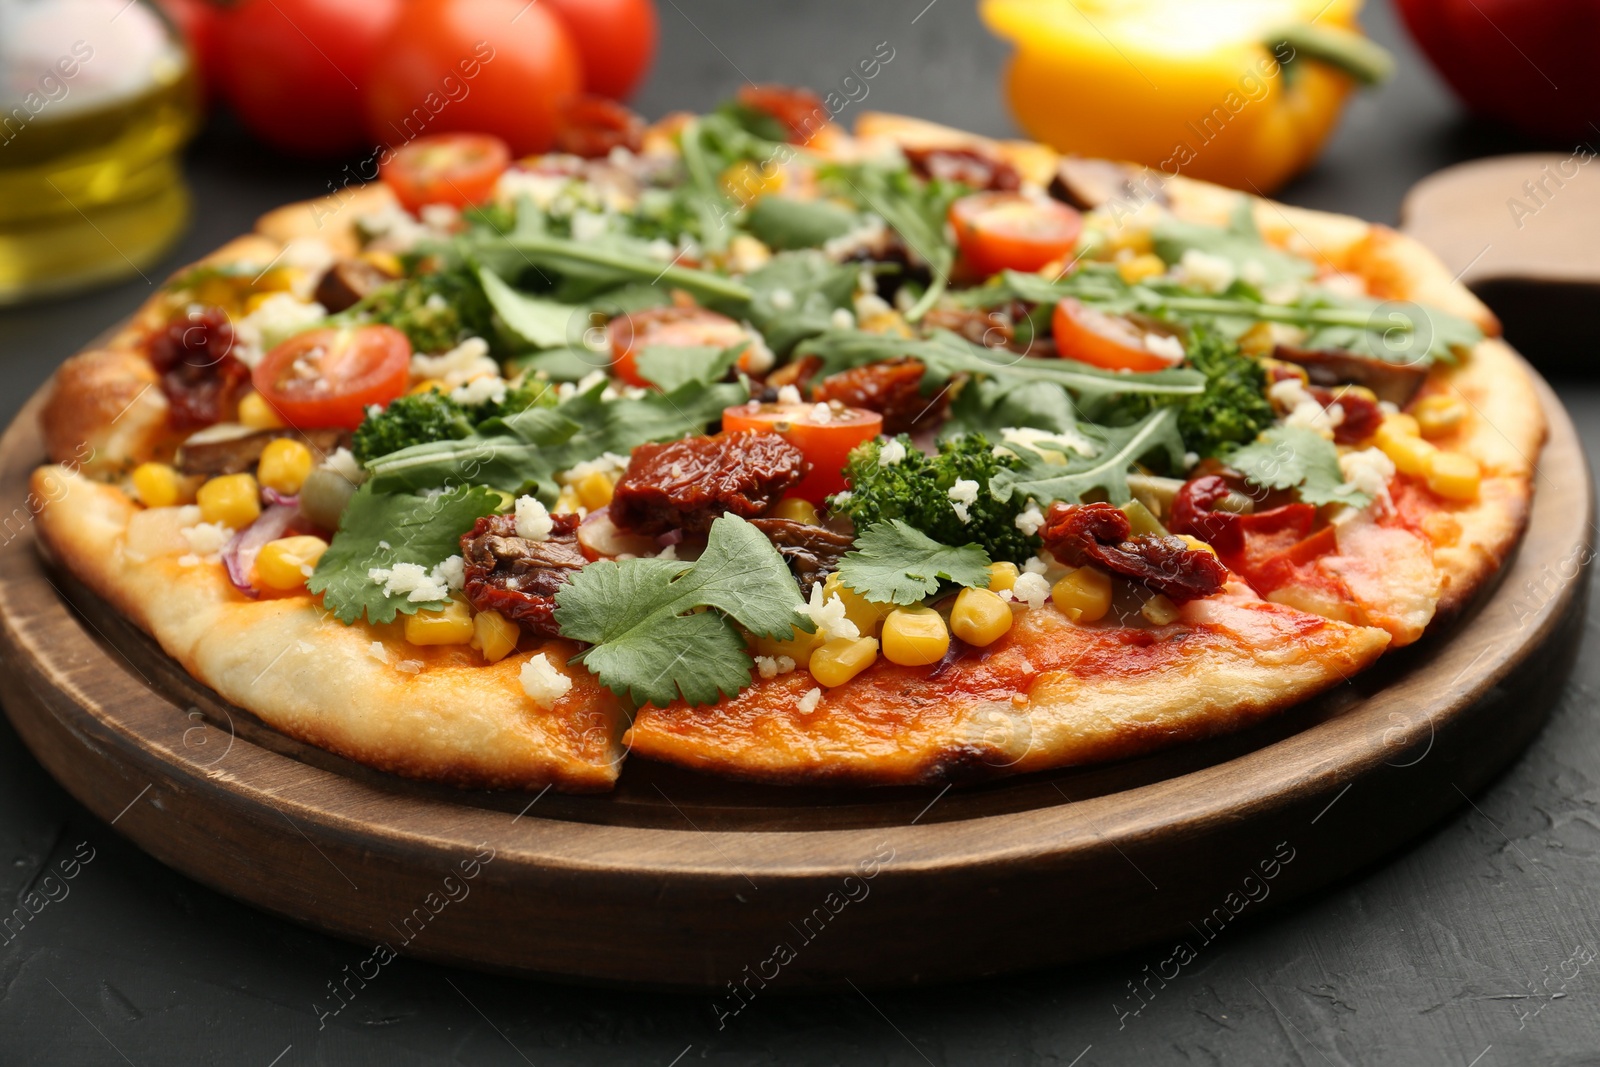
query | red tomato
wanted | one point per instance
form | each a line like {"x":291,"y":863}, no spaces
{"x":825,"y":442}
{"x":482,"y":66}
{"x":296,"y":70}
{"x":616,"y":40}
{"x":801,"y":110}
{"x":458,"y":169}
{"x":591,"y":126}
{"x":672,"y":327}
{"x":1008,"y":231}
{"x":327,"y":378}
{"x":1091,"y":336}
{"x":200,"y":22}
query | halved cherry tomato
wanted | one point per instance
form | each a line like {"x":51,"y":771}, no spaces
{"x":669,"y":327}
{"x":327,"y":378}
{"x":1008,"y":231}
{"x":1108,"y":341}
{"x":458,"y":169}
{"x":824,"y":433}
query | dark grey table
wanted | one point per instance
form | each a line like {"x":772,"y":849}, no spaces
{"x":1468,"y":949}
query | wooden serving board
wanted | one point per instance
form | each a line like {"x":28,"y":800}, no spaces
{"x":680,"y":880}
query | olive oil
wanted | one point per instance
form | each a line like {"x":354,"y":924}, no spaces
{"x":96,"y":99}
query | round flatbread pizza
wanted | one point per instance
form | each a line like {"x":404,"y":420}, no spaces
{"x":781,"y":453}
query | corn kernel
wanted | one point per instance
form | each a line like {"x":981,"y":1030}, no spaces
{"x":1439,"y":415}
{"x":748,"y":182}
{"x":1160,"y":610}
{"x":1453,"y":475}
{"x":387,"y":262}
{"x":796,"y":509}
{"x":1409,"y":453}
{"x":284,"y":465}
{"x":428,"y":385}
{"x":494,"y":635}
{"x":867,"y":615}
{"x":567,"y":503}
{"x":594,"y":490}
{"x":286,"y":563}
{"x":231,"y":499}
{"x":278,"y":279}
{"x":1196,"y":544}
{"x":1002,"y":576}
{"x":1135,"y":238}
{"x":1083,"y":595}
{"x":451,"y":626}
{"x":1402,"y":425}
{"x":257,"y":414}
{"x":1140,"y":267}
{"x":840,"y":660}
{"x":797,"y":647}
{"x":157,"y":485}
{"x":980,"y":617}
{"x":915,"y":637}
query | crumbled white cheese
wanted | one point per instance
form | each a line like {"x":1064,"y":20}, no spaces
{"x":1031,"y":520}
{"x":466,"y":361}
{"x":781,"y":299}
{"x":188,"y":559}
{"x":609,"y":464}
{"x":842,"y":500}
{"x":1253,"y":273}
{"x":1203,"y":271}
{"x":842,"y":319}
{"x":1367,"y":471}
{"x":893,"y":453}
{"x":870,"y":306}
{"x":809,"y":702}
{"x":662,"y":250}
{"x":670,"y":552}
{"x":543,"y":682}
{"x":343,"y":463}
{"x":440,"y":217}
{"x":829,"y":615}
{"x":207,"y":538}
{"x":767,"y":666}
{"x":1164,"y":345}
{"x":542,"y":189}
{"x":386,"y":546}
{"x":276,"y":319}
{"x":789,"y":394}
{"x":1054,"y":446}
{"x":871,"y":232}
{"x":1304,"y":410}
{"x":378,"y":652}
{"x":484,"y":390}
{"x":1037,"y":565}
{"x":756,"y":358}
{"x":411,"y":579}
{"x":533,"y":520}
{"x":409,"y":666}
{"x":962,"y":496}
{"x":1032,"y":589}
{"x":588,"y":226}
{"x":821,"y":414}
{"x":391,"y":229}
{"x":452,"y":572}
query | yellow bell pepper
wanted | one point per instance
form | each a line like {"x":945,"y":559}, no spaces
{"x":1241,"y":92}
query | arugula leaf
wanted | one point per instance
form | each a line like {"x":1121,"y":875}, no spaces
{"x":671,"y":366}
{"x":784,"y":223}
{"x":1293,"y":457}
{"x":524,"y":452}
{"x":569,"y":363}
{"x":611,"y":262}
{"x":541,"y":323}
{"x":1106,"y":471}
{"x":420,"y":529}
{"x":650,"y":641}
{"x":896,"y":564}
{"x":987,"y":407}
{"x":1240,"y":243}
{"x":795,"y":295}
{"x":914,"y":209}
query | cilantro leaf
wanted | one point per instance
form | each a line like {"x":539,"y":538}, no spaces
{"x":1293,"y":457}
{"x":649,"y":639}
{"x":419,"y":529}
{"x":896,"y":564}
{"x":1046,"y":480}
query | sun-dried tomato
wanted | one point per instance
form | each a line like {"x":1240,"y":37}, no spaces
{"x":200,"y":376}
{"x":1260,"y":547}
{"x":1081,"y":534}
{"x":686,"y":484}
{"x":591,"y":126}
{"x":1362,"y":416}
{"x":892,"y":388}
{"x":973,"y":168}
{"x":517,"y":577}
{"x":801,"y":111}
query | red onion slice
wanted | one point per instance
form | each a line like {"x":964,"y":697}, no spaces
{"x":285,"y":499}
{"x":671,"y":537}
{"x":239,"y":554}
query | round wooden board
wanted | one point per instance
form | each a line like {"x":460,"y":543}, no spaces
{"x":680,"y":880}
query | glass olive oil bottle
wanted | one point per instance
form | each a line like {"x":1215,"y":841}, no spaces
{"x":96,"y":99}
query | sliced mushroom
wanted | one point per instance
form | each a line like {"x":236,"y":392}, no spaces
{"x":210,"y":453}
{"x":1088,"y":183}
{"x":348,"y":282}
{"x":1394,"y":382}
{"x":812,"y":552}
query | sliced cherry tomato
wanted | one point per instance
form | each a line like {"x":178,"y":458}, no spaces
{"x":591,"y":126}
{"x":458,"y":169}
{"x":327,"y":378}
{"x":800,"y":111}
{"x":1008,"y":231}
{"x":824,"y":433}
{"x":668,"y":327}
{"x":616,"y":40}
{"x":1108,"y":341}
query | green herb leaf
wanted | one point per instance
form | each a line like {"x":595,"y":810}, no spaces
{"x":988,"y":407}
{"x":541,"y":323}
{"x":651,"y":641}
{"x":786,"y":224}
{"x":1044,"y":476}
{"x":1293,"y":457}
{"x":420,"y":529}
{"x":1240,"y":243}
{"x":913,"y":208}
{"x":895,"y":564}
{"x":794,"y":296}
{"x":672,"y":366}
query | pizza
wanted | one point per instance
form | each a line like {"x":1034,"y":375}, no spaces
{"x":786,"y":454}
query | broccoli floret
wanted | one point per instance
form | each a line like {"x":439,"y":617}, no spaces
{"x":917,"y":490}
{"x":436,"y":310}
{"x":531,"y":392}
{"x":1234,"y":409}
{"x":415,"y":419}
